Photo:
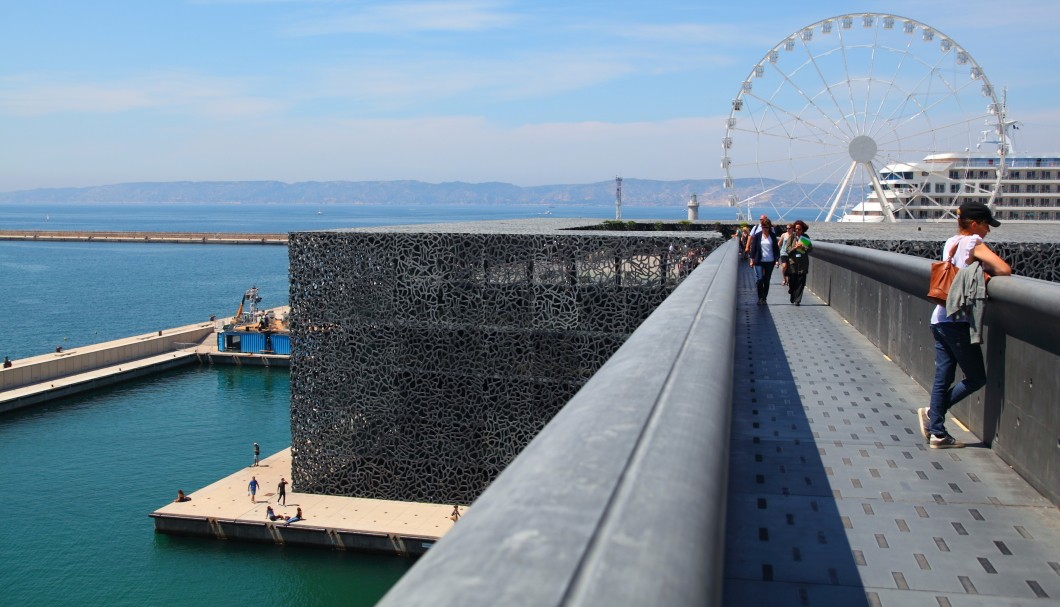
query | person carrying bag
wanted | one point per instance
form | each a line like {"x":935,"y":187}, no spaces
{"x":955,"y":344}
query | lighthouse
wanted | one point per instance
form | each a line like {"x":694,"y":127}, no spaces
{"x":693,"y":208}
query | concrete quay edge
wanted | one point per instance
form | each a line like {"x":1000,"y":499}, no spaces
{"x":223,"y":510}
{"x":37,"y":379}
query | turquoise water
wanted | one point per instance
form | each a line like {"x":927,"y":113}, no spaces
{"x":72,"y":294}
{"x":80,"y":475}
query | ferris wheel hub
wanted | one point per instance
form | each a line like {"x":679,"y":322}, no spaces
{"x":862,"y":149}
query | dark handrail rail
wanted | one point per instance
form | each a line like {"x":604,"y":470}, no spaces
{"x":1026,"y":308}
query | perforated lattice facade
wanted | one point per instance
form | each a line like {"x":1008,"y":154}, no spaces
{"x":423,"y":362}
{"x":1030,"y":259}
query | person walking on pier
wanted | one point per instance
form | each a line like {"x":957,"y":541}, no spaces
{"x":257,"y":454}
{"x":281,"y":492}
{"x":956,"y":344}
{"x":253,"y":488}
{"x":764,"y":255}
{"x":799,"y":247}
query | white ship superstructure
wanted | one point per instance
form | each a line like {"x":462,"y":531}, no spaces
{"x":933,"y":188}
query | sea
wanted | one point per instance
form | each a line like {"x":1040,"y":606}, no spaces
{"x":81,"y":474}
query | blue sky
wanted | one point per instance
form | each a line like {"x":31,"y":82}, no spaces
{"x":530,"y":93}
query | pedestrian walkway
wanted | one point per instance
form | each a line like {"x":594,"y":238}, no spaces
{"x":834,"y":497}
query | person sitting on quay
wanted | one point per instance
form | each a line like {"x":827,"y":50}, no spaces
{"x":181,"y":497}
{"x":7,"y":363}
{"x":271,"y":514}
{"x":294,"y":519}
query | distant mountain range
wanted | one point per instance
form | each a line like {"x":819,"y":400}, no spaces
{"x":639,"y":192}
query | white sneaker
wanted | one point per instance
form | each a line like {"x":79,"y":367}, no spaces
{"x":945,"y":442}
{"x":922,"y":415}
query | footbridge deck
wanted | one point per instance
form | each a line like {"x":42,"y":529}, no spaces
{"x":834,"y":498}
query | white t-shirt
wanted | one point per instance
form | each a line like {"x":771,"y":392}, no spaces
{"x":961,"y":258}
{"x":767,"y":248}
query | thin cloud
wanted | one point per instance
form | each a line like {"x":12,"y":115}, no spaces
{"x":396,"y":81}
{"x":409,"y":17}
{"x":213,"y":97}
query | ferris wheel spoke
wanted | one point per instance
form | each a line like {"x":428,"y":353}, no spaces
{"x":896,"y":136}
{"x":846,"y":70}
{"x":891,"y":87}
{"x":780,"y":113}
{"x":820,"y":162}
{"x":783,"y":135}
{"x":809,"y":100}
{"x":952,"y":92}
{"x":827,"y":86}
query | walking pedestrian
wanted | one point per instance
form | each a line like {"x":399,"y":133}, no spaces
{"x":782,"y":244}
{"x":253,"y":488}
{"x":257,"y":454}
{"x":799,"y":248}
{"x":956,"y":327}
{"x":763,"y":251}
{"x":455,"y":516}
{"x":281,"y":492}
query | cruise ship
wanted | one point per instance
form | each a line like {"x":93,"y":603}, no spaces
{"x":932,"y":189}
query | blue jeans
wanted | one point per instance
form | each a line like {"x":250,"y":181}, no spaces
{"x":763,"y":273}
{"x":953,"y":348}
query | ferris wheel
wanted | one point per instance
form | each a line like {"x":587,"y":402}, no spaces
{"x":843,"y":111}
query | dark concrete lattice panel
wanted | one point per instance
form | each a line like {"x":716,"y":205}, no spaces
{"x":1030,"y":259}
{"x":423,"y":362}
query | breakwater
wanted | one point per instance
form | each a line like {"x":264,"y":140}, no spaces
{"x":34,"y":380}
{"x":149,"y":237}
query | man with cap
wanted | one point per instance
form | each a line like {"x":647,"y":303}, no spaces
{"x":956,"y":344}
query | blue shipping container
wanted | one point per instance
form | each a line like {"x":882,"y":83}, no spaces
{"x":281,"y":344}
{"x":251,"y":343}
{"x":229,"y":341}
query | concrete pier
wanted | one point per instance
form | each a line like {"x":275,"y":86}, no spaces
{"x":34,"y":380}
{"x":155,"y":237}
{"x":225,"y":511}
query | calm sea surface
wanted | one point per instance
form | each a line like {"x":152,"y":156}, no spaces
{"x":80,"y":475}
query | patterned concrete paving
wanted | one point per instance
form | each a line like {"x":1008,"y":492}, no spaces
{"x":835,"y":499}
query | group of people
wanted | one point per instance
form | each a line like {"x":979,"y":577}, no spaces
{"x":767,"y":248}
{"x":955,"y":326}
{"x":281,"y":490}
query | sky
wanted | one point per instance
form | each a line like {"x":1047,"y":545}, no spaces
{"x":531,"y":93}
